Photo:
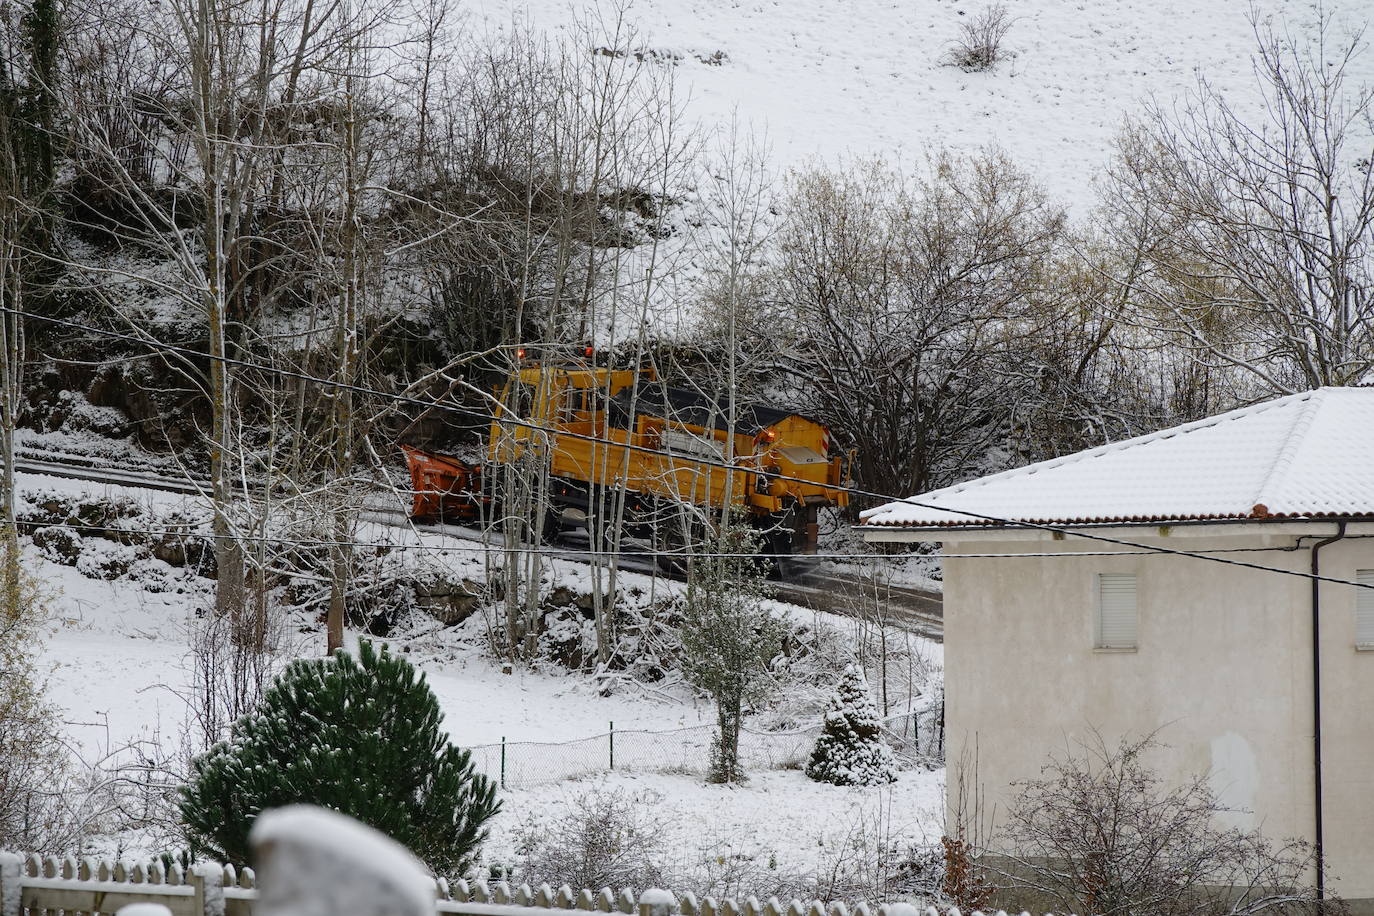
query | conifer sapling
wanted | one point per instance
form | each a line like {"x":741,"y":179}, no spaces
{"x":851,"y":750}
{"x":358,"y":735}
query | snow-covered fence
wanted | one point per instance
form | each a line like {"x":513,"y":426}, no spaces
{"x":30,"y":886}
{"x":34,"y":886}
{"x":916,"y":736}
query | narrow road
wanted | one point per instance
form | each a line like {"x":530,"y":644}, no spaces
{"x":914,"y":609}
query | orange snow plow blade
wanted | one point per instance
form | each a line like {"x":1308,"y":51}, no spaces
{"x":445,"y":487}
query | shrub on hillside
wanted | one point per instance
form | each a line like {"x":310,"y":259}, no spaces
{"x":851,"y":750}
{"x":61,"y":545}
{"x":979,"y":45}
{"x":357,"y":735}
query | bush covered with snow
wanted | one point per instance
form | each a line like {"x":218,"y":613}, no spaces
{"x":102,"y":515}
{"x":107,"y":560}
{"x":851,"y":750}
{"x":357,"y":735}
{"x":61,"y":545}
{"x":114,"y":537}
{"x":603,"y":838}
{"x":979,"y":45}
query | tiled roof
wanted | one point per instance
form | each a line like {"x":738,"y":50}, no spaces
{"x":1308,"y":455}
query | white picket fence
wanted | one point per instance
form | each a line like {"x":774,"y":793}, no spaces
{"x":34,"y":886}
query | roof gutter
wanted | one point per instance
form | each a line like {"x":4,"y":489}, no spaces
{"x":1069,"y":527}
{"x":1318,"y":847}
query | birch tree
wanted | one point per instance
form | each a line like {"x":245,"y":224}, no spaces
{"x":201,"y":186}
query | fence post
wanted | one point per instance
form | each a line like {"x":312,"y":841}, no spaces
{"x":316,"y":862}
{"x":11,"y":891}
{"x":612,"y":736}
{"x":942,"y":728}
{"x":503,"y":761}
{"x":207,"y":882}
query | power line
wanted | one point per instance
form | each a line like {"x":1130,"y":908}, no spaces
{"x":704,"y":462}
{"x":578,"y":552}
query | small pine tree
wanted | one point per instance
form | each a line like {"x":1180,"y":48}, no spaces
{"x":851,"y":751}
{"x":360,"y":736}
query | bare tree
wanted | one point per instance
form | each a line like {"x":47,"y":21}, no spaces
{"x":565,"y":154}
{"x":729,"y":637}
{"x":899,"y":300}
{"x":1257,"y":234}
{"x":220,"y":78}
{"x":1101,"y":832}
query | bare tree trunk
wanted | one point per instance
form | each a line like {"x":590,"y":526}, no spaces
{"x":346,"y":352}
{"x":11,"y":374}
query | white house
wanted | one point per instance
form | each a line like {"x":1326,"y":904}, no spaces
{"x":1189,"y":606}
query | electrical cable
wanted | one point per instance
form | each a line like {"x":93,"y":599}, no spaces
{"x":578,"y":552}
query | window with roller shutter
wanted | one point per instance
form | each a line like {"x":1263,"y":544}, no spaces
{"x":1116,"y":611}
{"x":1364,"y":609}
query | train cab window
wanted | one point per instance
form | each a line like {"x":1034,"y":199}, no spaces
{"x":521,"y":404}
{"x":567,"y":404}
{"x":574,"y":401}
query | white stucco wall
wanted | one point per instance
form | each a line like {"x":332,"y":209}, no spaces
{"x":1223,"y":669}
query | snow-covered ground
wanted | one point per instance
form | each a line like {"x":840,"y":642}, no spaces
{"x":827,"y":79}
{"x":119,"y":666}
{"x":779,"y":820}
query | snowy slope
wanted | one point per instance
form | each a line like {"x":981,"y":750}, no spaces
{"x":834,"y":78}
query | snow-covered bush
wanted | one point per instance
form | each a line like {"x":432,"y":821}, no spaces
{"x":78,"y":415}
{"x":101,"y":559}
{"x":568,"y":637}
{"x":386,"y":588}
{"x":83,"y":510}
{"x":361,"y":736}
{"x":157,"y":577}
{"x":61,"y":545}
{"x":851,"y":750}
{"x":603,"y":839}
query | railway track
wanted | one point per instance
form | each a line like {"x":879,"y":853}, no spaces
{"x":805,"y":585}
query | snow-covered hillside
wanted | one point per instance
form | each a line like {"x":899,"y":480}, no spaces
{"x":826,"y":79}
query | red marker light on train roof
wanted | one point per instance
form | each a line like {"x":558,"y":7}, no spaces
{"x":588,"y":351}
{"x":769,"y":435}
{"x":520,"y":353}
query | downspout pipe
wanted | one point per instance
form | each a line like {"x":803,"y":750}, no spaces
{"x":1318,"y":847}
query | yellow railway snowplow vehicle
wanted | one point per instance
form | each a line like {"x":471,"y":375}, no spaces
{"x":601,"y":432}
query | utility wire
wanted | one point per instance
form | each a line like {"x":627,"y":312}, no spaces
{"x":705,"y":462}
{"x":475,"y":544}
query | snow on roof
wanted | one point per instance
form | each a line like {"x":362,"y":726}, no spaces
{"x":1306,"y":455}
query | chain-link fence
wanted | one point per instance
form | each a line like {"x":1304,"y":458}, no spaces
{"x":917,"y":737}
